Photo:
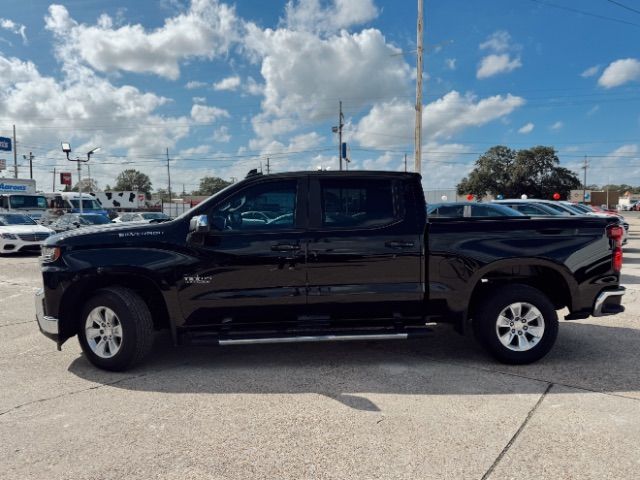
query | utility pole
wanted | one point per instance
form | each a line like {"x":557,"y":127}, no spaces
{"x":53,"y":184}
{"x":168,"y":175}
{"x":418,"y":132}
{"x":405,"y":162}
{"x":340,"y":125}
{"x":30,"y":158}
{"x":15,"y":154}
{"x":584,"y":181}
{"x":268,"y":167}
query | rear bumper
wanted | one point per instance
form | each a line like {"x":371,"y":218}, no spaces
{"x":608,"y":302}
{"x":49,"y":326}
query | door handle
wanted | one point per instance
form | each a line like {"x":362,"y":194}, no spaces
{"x":398,"y":244}
{"x":285,"y":247}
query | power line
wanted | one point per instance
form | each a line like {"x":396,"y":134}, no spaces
{"x":624,"y":6}
{"x":584,"y":12}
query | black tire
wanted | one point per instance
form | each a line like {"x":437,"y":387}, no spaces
{"x":137,"y":331}
{"x":486,"y":317}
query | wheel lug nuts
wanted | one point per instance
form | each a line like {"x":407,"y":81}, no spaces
{"x":524,"y":328}
{"x":511,"y":324}
{"x":519,"y":332}
{"x":513,"y":330}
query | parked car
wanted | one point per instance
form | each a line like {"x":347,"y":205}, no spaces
{"x":354,"y":257}
{"x":20,"y":233}
{"x":470,"y":209}
{"x":72,"y":221}
{"x":147,"y":217}
{"x":572,"y":209}
{"x":530,"y":209}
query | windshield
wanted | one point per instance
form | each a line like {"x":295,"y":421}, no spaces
{"x":582,"y":208}
{"x":154,"y":215}
{"x":15,"y":219}
{"x":94,"y":219}
{"x":573,"y":208}
{"x":86,"y":204}
{"x":559,"y":208}
{"x":27,"y":201}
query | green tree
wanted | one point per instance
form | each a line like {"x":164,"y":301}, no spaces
{"x":163,"y":194}
{"x":535,"y":172}
{"x":135,"y":180}
{"x":88,"y":185}
{"x":210,"y":185}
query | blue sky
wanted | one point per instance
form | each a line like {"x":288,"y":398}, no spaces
{"x":225,"y":85}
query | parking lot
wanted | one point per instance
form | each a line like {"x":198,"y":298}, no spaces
{"x":430,"y":408}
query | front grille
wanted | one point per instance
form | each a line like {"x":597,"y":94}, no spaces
{"x":33,"y":237}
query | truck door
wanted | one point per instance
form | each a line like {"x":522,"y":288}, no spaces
{"x":365,"y":248}
{"x":251,"y":266}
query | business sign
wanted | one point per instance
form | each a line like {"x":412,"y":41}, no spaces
{"x":65,"y":178}
{"x":3,"y":164}
{"x":5,"y":144}
{"x":8,"y":187}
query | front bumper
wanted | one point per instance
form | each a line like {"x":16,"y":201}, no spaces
{"x":608,"y":302}
{"x":49,"y":326}
{"x":17,"y":245}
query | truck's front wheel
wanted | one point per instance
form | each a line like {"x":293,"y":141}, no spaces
{"x":517,"y":324}
{"x":116,"y":329}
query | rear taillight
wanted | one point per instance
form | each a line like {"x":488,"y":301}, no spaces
{"x":615,"y":233}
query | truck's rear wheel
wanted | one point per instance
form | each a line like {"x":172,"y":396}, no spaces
{"x":116,"y":329}
{"x":517,"y":324}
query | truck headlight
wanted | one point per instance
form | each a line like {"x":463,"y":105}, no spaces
{"x":8,"y":236}
{"x":49,"y":254}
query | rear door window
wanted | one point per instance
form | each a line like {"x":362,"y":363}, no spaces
{"x":358,"y":203}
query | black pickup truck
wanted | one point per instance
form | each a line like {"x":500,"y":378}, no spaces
{"x":318,"y":256}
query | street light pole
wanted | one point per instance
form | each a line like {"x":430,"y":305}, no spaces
{"x":30,"y":158}
{"x":66,"y":148}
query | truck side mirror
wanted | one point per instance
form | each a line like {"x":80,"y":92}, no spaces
{"x":199,"y":224}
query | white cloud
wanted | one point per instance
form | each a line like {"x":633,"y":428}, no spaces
{"x":193,"y":84}
{"x":500,"y":60}
{"x":499,"y":41}
{"x":205,"y":114}
{"x":221,"y":134}
{"x":527,"y":128}
{"x":620,"y":72}
{"x":494,"y":64}
{"x":229,"y":83}
{"x":450,"y":63}
{"x":391,"y":123}
{"x":626,"y":151}
{"x":87,"y":111}
{"x":206,"y":30}
{"x":593,"y":110}
{"x":357,"y":66}
{"x":590,"y":72}
{"x":253,"y":88}
{"x":311,"y":16}
{"x":14,"y":27}
{"x":557,"y":125}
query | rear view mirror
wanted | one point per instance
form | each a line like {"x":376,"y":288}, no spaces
{"x":199,"y":224}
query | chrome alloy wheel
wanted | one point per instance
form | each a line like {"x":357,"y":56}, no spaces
{"x":520,"y":326}
{"x":103,"y":332}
